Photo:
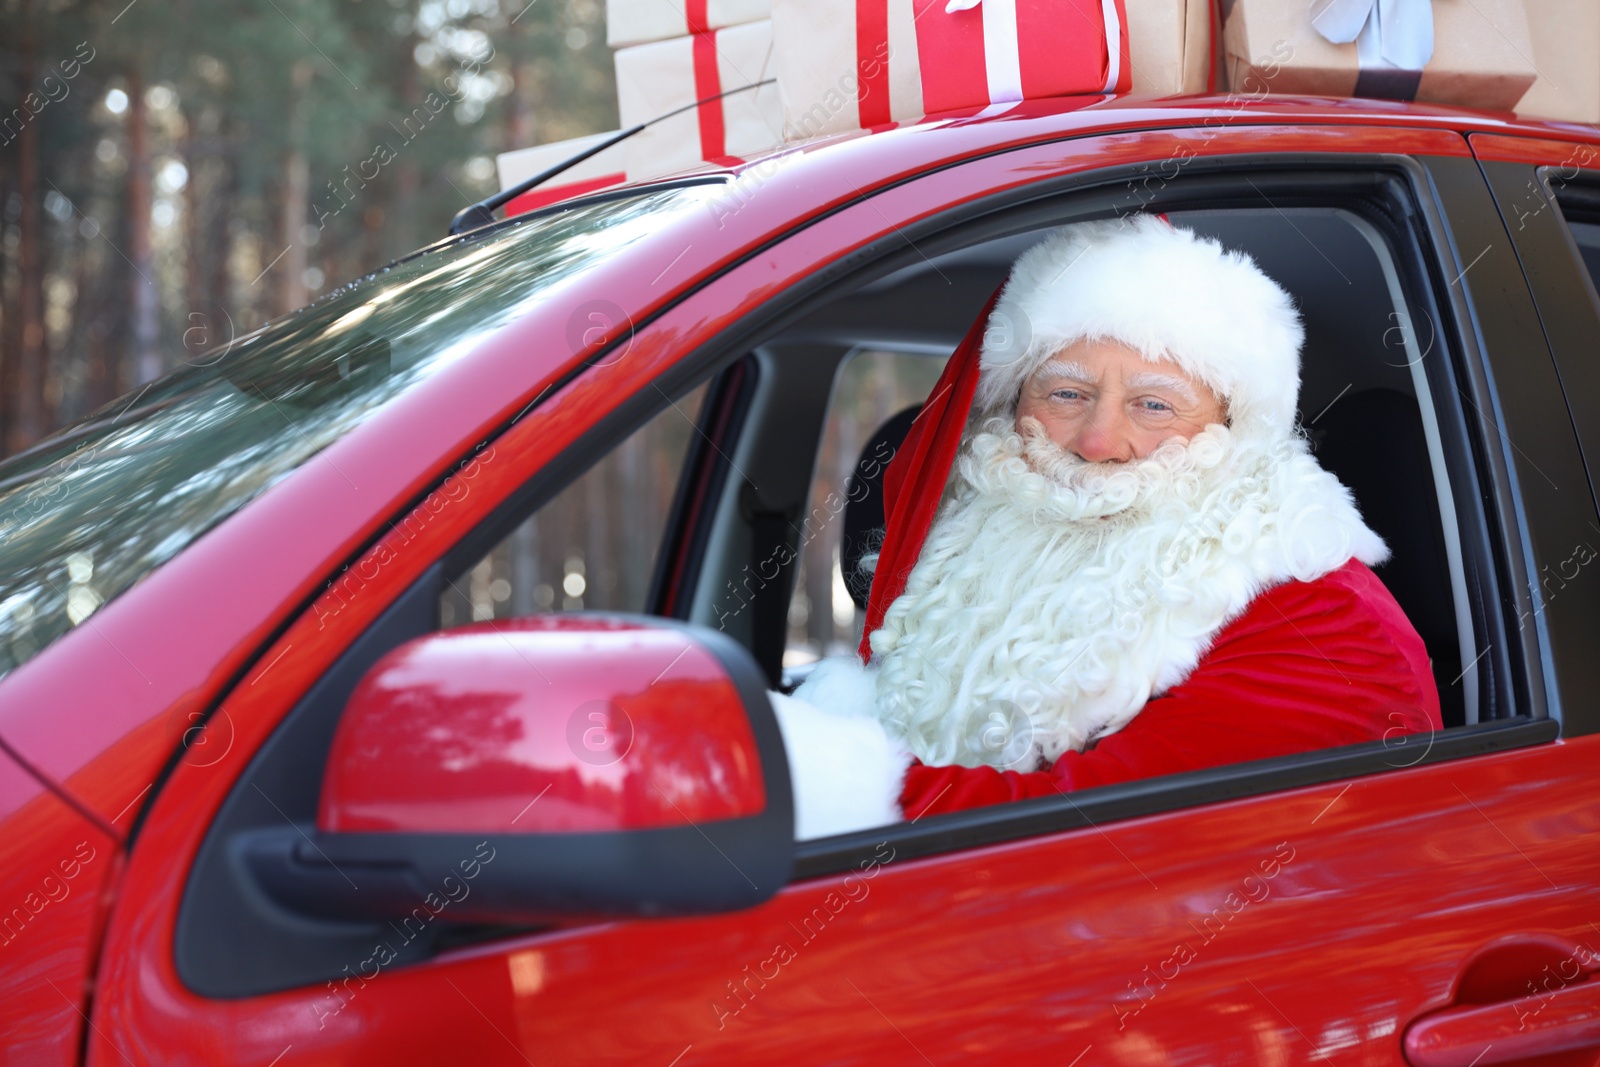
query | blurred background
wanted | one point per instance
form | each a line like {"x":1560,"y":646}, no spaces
{"x":174,"y":173}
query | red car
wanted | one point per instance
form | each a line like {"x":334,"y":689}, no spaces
{"x":305,"y":762}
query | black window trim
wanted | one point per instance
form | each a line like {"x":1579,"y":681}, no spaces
{"x":1001,"y":823}
{"x":1545,"y":306}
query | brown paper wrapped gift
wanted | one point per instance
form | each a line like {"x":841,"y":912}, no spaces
{"x":1566,"y":51}
{"x":1170,"y":46}
{"x":1482,"y":56}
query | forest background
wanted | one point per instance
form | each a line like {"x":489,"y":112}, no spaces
{"x":173,"y":173}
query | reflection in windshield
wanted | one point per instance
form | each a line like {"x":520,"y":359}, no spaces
{"x":93,"y":509}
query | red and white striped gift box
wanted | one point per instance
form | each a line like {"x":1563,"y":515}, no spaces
{"x":653,"y":79}
{"x":844,"y":64}
{"x":973,"y":53}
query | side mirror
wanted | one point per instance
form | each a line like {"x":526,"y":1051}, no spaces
{"x":546,"y":768}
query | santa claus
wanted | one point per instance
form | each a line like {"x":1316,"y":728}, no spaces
{"x":1109,"y":554}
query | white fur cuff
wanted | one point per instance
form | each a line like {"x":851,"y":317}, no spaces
{"x":846,"y":771}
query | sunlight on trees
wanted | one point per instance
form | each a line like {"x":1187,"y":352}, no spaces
{"x":174,"y":174}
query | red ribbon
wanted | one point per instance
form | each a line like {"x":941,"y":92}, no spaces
{"x":695,"y":19}
{"x":708,"y":90}
{"x":1061,"y":51}
{"x":872,"y":61}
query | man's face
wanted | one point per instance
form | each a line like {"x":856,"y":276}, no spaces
{"x":1106,"y":403}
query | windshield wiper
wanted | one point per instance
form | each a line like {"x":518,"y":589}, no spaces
{"x":482,"y":213}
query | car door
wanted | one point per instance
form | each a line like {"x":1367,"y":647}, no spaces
{"x":1315,"y":906}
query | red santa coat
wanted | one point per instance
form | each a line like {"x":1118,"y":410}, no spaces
{"x":1308,"y":665}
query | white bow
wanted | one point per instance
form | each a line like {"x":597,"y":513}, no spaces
{"x":1388,"y":33}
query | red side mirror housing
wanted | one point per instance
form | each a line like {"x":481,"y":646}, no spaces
{"x":555,"y":766}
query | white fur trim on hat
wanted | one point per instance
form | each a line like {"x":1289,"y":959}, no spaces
{"x":1162,"y":290}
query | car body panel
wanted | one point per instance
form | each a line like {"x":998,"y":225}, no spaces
{"x":237,"y":624}
{"x":1205,"y":936}
{"x":53,"y":902}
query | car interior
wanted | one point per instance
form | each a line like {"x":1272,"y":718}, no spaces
{"x":1365,"y":404}
{"x":739,"y":498}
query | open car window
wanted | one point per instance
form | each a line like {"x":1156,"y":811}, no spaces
{"x":595,"y":545}
{"x":875,"y":387}
{"x":1368,"y":405}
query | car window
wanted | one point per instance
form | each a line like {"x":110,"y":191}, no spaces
{"x":593,"y":547}
{"x":94,"y":508}
{"x":872,"y":387}
{"x":1371,"y":359}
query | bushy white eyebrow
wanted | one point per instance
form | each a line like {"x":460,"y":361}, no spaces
{"x":1066,"y":368}
{"x":1164,"y":381}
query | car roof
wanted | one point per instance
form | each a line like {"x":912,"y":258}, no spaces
{"x":996,"y":127}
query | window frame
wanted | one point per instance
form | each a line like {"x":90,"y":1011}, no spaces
{"x":1530,"y":184}
{"x":1515,"y":681}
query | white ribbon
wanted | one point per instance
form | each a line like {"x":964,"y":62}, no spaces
{"x":1001,"y":56}
{"x":1394,"y":34}
{"x":1108,"y":13}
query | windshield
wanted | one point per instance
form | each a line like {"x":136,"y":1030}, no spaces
{"x":96,"y":507}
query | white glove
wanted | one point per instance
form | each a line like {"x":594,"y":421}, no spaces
{"x":846,"y":771}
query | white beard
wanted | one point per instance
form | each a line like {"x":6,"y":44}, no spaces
{"x":1053,"y":598}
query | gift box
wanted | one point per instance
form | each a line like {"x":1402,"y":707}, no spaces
{"x":1171,"y":46}
{"x":597,"y":172}
{"x":1566,"y":51}
{"x":631,"y":22}
{"x":1470,"y":53}
{"x":846,"y":64}
{"x":973,"y":53}
{"x":654,"y":79}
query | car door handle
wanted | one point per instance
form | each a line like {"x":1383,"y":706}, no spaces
{"x":1511,"y":1031}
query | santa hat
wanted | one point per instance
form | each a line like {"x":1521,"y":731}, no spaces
{"x":1162,"y":290}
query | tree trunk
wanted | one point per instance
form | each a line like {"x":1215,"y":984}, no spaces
{"x":225,"y":194}
{"x":10,"y":321}
{"x":296,"y":194}
{"x":291,"y":265}
{"x":525,"y":573}
{"x":519,"y":109}
{"x":145,"y":300}
{"x":26,"y":375}
{"x":200,"y":325}
{"x":73,"y":364}
{"x":102,"y":364}
{"x":402,"y":227}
